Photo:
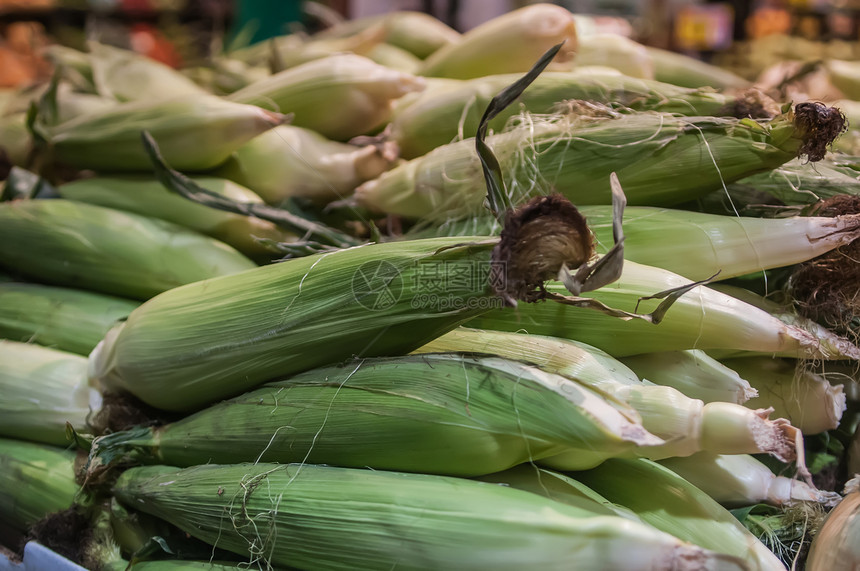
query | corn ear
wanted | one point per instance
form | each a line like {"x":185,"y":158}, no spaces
{"x":799,"y":183}
{"x":510,"y":43}
{"x":700,"y":319}
{"x":194,"y":133}
{"x":679,"y":69}
{"x":232,"y":333}
{"x":835,"y":546}
{"x":65,"y":319}
{"x":396,"y":58}
{"x":741,"y":480}
{"x":380,"y":519}
{"x":424,"y":414}
{"x":291,"y":162}
{"x":15,"y":140}
{"x":108,"y":250}
{"x":147,"y":197}
{"x":416,"y":32}
{"x":687,"y":425}
{"x":805,"y":398}
{"x":660,"y":160}
{"x":35,"y":480}
{"x":697,"y":245}
{"x":340,"y":97}
{"x":449,"y":112}
{"x":665,"y":500}
{"x":616,"y":52}
{"x":845,"y":75}
{"x":43,"y":389}
{"x":128,"y":76}
{"x":693,"y":373}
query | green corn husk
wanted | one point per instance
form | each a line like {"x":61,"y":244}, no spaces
{"x":65,"y":319}
{"x":147,"y":197}
{"x":687,"y":425}
{"x":291,"y":516}
{"x":35,"y":480}
{"x":741,"y":480}
{"x":81,"y":245}
{"x":558,"y":487}
{"x":128,"y":76}
{"x":43,"y":389}
{"x":16,"y":143}
{"x":396,"y":58}
{"x":340,"y":97}
{"x":510,"y":43}
{"x":442,"y":114}
{"x":693,"y":373}
{"x":700,"y":319}
{"x":803,"y":397}
{"x":615,"y":52}
{"x":291,"y":162}
{"x":678,"y":69}
{"x":660,"y":160}
{"x":411,"y":414}
{"x":845,"y":75}
{"x":172,"y":565}
{"x":194,"y":133}
{"x":829,"y":341}
{"x":70,"y":59}
{"x":204,"y":342}
{"x":138,"y":535}
{"x":697,"y":245}
{"x":71,"y":105}
{"x":837,"y":543}
{"x":415,"y":32}
{"x":668,"y":502}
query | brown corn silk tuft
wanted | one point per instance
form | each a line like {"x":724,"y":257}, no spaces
{"x":820,"y":125}
{"x":827,"y":288}
{"x":538,"y":238}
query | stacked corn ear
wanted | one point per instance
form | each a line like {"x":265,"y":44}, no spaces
{"x":444,"y":113}
{"x":194,"y":133}
{"x":15,"y":141}
{"x":146,"y":196}
{"x":35,"y":480}
{"x":799,"y":183}
{"x":415,"y":32}
{"x":111,"y":251}
{"x":43,"y":389}
{"x":436,"y":413}
{"x":339,"y":97}
{"x":395,"y":58}
{"x":741,"y":480}
{"x":694,"y":373}
{"x":290,"y":161}
{"x":697,"y":245}
{"x":62,"y":318}
{"x":128,"y":76}
{"x":659,"y":159}
{"x":615,"y":52}
{"x":506,"y":44}
{"x":180,"y":351}
{"x":679,"y":69}
{"x":700,"y":319}
{"x":667,"y":501}
{"x":836,"y":545}
{"x":805,"y":398}
{"x":380,"y":519}
{"x":687,"y":425}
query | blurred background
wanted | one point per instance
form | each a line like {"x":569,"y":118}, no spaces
{"x":744,"y":35}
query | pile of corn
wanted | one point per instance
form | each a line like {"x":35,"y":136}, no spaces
{"x":318,"y":348}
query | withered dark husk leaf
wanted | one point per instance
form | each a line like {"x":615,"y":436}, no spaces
{"x":538,"y":238}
